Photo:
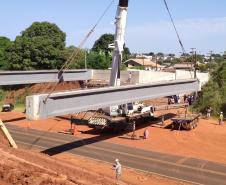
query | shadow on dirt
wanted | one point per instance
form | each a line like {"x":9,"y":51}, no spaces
{"x":101,"y":135}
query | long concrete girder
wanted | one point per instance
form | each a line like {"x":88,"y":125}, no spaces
{"x":42,"y":76}
{"x":77,"y":101}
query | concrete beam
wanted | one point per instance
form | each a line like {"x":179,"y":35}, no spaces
{"x":7,"y":135}
{"x":31,"y":77}
{"x":77,"y":101}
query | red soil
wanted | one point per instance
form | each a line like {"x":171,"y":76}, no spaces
{"x":29,"y":167}
{"x":19,"y":91}
{"x":207,"y":142}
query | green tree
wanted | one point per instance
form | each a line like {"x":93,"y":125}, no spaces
{"x":160,"y":54}
{"x":126,"y":54}
{"x":5,"y":43}
{"x":151,"y":54}
{"x":38,"y":47}
{"x":101,"y":45}
{"x":78,"y":60}
{"x":103,"y":42}
{"x":203,"y":67}
{"x":98,"y":60}
{"x":214,"y":92}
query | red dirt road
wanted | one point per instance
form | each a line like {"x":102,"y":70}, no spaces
{"x":29,"y":167}
{"x":207,"y":141}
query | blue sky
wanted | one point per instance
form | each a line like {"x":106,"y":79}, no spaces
{"x":201,"y":23}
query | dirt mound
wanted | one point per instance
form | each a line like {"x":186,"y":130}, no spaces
{"x":21,"y":167}
{"x":3,"y":140}
{"x":20,"y":92}
{"x":27,"y":167}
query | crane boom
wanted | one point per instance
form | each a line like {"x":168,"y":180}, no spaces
{"x":119,"y":41}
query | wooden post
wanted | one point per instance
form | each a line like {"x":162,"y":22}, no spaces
{"x":7,"y":135}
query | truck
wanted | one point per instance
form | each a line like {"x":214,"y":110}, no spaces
{"x":120,"y":117}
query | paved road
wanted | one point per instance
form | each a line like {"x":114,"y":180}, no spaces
{"x":188,"y":169}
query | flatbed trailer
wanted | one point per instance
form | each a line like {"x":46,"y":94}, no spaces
{"x":101,"y":121}
{"x":120,"y":122}
{"x":185,"y":121}
{"x":171,"y":106}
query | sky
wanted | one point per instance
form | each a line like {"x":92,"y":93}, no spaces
{"x":201,"y":23}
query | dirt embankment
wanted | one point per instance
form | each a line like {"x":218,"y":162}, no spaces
{"x":32,"y":168}
{"x":3,"y":141}
{"x":20,"y":92}
{"x":20,"y":167}
{"x":27,"y":167}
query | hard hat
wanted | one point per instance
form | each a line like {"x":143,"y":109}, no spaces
{"x":116,"y":160}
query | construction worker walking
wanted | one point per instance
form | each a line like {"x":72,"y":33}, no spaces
{"x":208,"y":112}
{"x":146,"y":133}
{"x":133,"y":136}
{"x":130,"y":77}
{"x":118,"y":169}
{"x":221,"y":119}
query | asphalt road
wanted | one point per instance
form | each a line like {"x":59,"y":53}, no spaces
{"x":188,"y":169}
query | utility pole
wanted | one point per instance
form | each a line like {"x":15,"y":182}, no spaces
{"x":85,"y":59}
{"x":156,"y":65}
{"x":194,"y":61}
{"x":211,"y":53}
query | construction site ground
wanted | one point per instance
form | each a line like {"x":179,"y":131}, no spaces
{"x":207,"y":142}
{"x":30,"y":167}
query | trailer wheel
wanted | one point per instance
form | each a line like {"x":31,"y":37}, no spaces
{"x":195,"y":123}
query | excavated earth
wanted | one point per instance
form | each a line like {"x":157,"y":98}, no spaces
{"x":32,"y":168}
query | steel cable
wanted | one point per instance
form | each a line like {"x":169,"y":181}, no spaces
{"x":76,"y":50}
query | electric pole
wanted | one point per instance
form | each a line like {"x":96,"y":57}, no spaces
{"x":85,"y":59}
{"x":194,"y":61}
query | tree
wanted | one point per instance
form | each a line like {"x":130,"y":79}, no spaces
{"x":160,"y":54}
{"x":98,"y":60}
{"x":102,"y":45}
{"x":214,"y":92}
{"x":126,"y":54}
{"x":38,"y":47}
{"x":5,"y":43}
{"x":78,"y":60}
{"x":151,"y":54}
{"x":103,"y":42}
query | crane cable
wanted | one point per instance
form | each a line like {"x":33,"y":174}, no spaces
{"x":175,"y":28}
{"x":75,"y":52}
{"x":67,"y":63}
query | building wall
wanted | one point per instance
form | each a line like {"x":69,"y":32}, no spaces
{"x":105,"y":76}
{"x":141,"y":76}
{"x":155,"y":76}
{"x":202,"y":77}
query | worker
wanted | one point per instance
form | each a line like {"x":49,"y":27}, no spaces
{"x":118,"y":169}
{"x":146,"y":133}
{"x":189,"y":100}
{"x":185,"y":98}
{"x":208,"y":112}
{"x":130,"y":77}
{"x":221,"y":119}
{"x":134,"y":128}
{"x":163,"y":120}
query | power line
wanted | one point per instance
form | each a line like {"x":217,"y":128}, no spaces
{"x":75,"y":52}
{"x":175,"y":28}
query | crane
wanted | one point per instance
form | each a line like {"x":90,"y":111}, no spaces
{"x":120,"y":101}
{"x":119,"y":41}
